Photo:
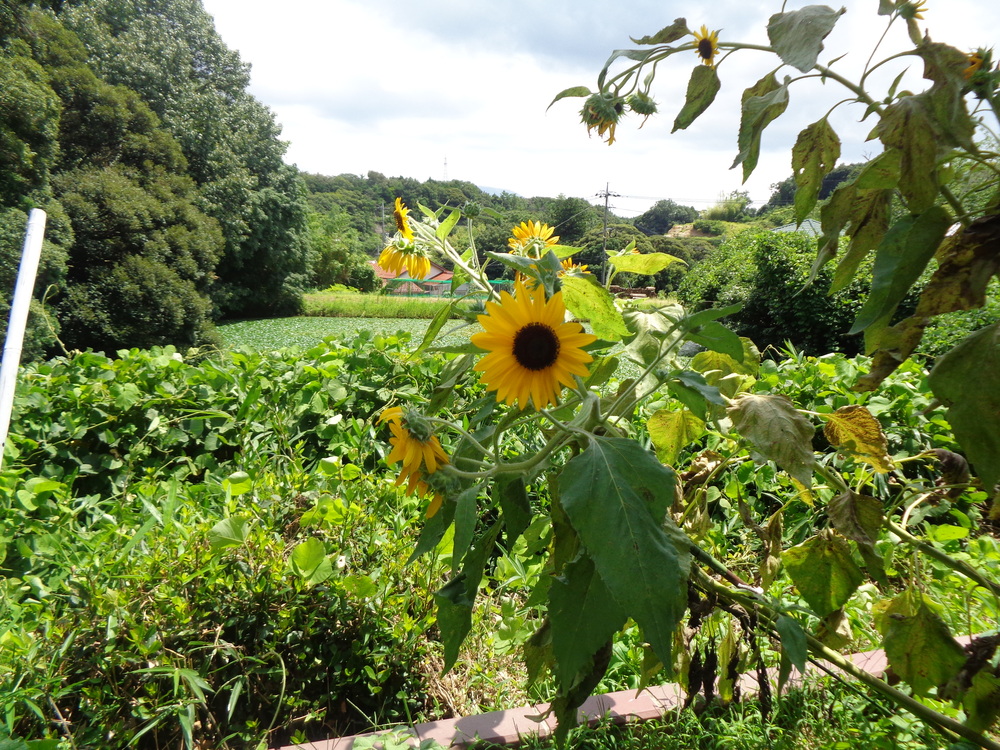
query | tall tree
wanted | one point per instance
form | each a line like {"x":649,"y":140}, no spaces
{"x":662,"y":215}
{"x":169,"y":51}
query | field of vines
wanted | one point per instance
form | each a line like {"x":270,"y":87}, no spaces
{"x":207,"y":549}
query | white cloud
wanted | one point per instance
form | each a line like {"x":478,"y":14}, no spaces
{"x":403,"y":88}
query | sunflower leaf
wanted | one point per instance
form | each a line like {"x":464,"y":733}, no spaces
{"x":797,"y":36}
{"x":456,"y":598}
{"x":616,"y":496}
{"x":815,"y":153}
{"x":584,"y":616}
{"x":571,"y":91}
{"x":677,"y":30}
{"x":823,"y":571}
{"x":672,"y":429}
{"x":702,"y":87}
{"x":967,"y":380}
{"x":909,"y":125}
{"x":762,"y":103}
{"x":902,"y":256}
{"x":590,"y":301}
{"x":647,"y":264}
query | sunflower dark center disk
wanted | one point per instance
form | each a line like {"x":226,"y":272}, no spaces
{"x":536,"y":346}
{"x":705,"y":49}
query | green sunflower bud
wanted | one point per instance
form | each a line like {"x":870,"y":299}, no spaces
{"x":642,"y":104}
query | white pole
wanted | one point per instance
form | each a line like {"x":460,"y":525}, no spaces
{"x":18,"y":320}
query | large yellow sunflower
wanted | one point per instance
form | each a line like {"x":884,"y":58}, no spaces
{"x":530,"y":235}
{"x":420,"y":455}
{"x":401,"y":214}
{"x":707,"y":45}
{"x":533,"y":352}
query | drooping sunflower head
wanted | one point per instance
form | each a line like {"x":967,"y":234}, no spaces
{"x":532,"y":352}
{"x":642,"y":104}
{"x":706,"y":45}
{"x":602,"y":112}
{"x":401,"y":214}
{"x":417,"y":449}
{"x":404,"y":255}
{"x":531,"y":239}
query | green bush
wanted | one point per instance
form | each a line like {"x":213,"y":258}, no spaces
{"x":767,"y":273}
{"x":158,"y":515}
{"x":714,"y":227}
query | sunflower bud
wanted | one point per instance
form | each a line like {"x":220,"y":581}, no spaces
{"x":642,"y":104}
{"x":602,"y":112}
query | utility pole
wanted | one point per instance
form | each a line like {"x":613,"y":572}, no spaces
{"x":604,"y":243}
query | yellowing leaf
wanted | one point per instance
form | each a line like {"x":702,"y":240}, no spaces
{"x":919,"y":647}
{"x":823,"y":571}
{"x":672,"y":429}
{"x":815,"y":153}
{"x":646,"y":264}
{"x":854,"y":429}
{"x":589,"y":301}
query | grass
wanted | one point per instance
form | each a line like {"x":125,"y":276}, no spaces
{"x":281,"y":333}
{"x":358,"y":305}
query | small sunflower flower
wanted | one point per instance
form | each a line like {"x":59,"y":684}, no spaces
{"x":706,"y":45}
{"x":417,"y":449}
{"x":401,"y":214}
{"x":531,"y":239}
{"x":976,"y":60}
{"x":569,"y":268}
{"x":532,"y":351}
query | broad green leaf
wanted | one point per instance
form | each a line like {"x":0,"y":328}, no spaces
{"x":894,"y":344}
{"x":869,"y":220}
{"x":693,"y":390}
{"x":515,"y":506}
{"x":717,"y":338}
{"x":901,"y":257}
{"x":359,"y":585}
{"x":814,"y":155}
{"x":854,"y":429}
{"x":588,"y":300}
{"x":777,"y":431}
{"x":794,"y":648}
{"x":465,"y":524}
{"x":571,"y":91}
{"x":907,"y":125}
{"x":237,"y":483}
{"x":456,"y":598}
{"x":833,"y":217}
{"x":967,"y":380}
{"x":672,"y":429}
{"x":701,"y":90}
{"x":823,"y":571}
{"x":762,"y":103}
{"x":616,"y":495}
{"x":330,"y":465}
{"x":918,"y":645}
{"x":677,"y":30}
{"x":647,"y":264}
{"x":584,"y":616}
{"x":882,"y":172}
{"x":797,"y":36}
{"x":309,"y":561}
{"x":229,"y":532}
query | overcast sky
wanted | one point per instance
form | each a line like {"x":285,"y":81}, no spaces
{"x":459,"y":89}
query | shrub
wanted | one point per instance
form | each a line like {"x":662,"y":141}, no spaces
{"x":767,"y":273}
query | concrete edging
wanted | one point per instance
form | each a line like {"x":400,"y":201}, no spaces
{"x":509,"y":727}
